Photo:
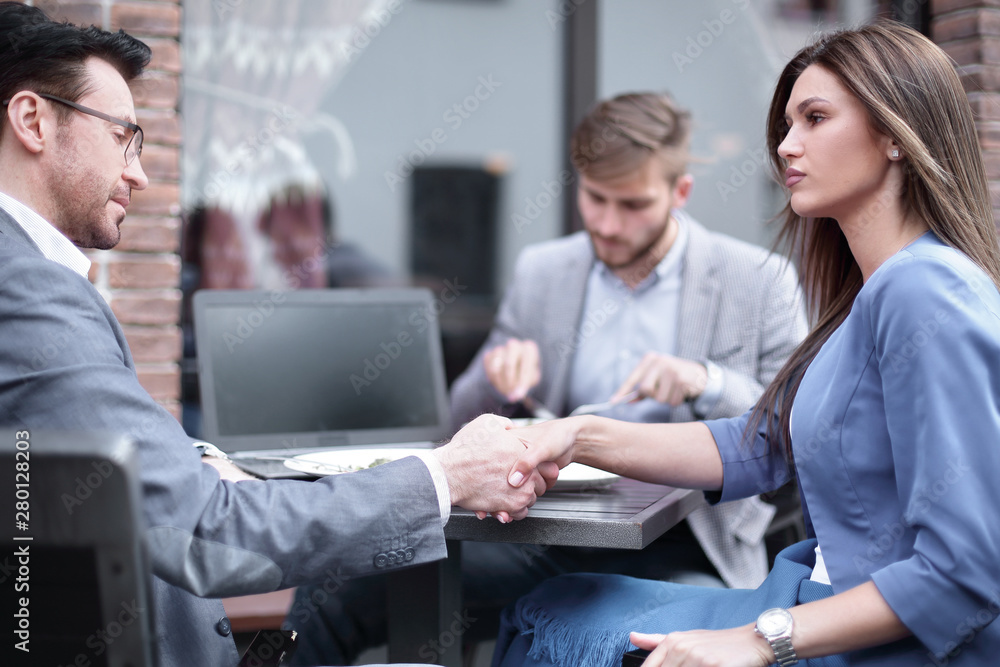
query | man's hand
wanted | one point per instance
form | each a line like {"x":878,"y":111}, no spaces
{"x":478,"y":463}
{"x":513,"y":368}
{"x":666,"y":379}
{"x":738,"y":647}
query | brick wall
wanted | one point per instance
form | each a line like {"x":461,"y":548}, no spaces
{"x":141,"y":276}
{"x":969,"y":31}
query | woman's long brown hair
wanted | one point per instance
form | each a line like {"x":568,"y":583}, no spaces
{"x":912,"y":94}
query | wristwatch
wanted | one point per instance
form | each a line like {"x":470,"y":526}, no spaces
{"x":775,"y":625}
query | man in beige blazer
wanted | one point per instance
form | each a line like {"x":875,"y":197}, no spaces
{"x":644,"y":300}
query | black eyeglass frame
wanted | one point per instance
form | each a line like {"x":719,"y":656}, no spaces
{"x":136,"y":130}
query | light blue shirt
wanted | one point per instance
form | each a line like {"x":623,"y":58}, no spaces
{"x":621,"y":324}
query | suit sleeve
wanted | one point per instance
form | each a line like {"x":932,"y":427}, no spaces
{"x":937,"y":340}
{"x":782,"y":324}
{"x":64,"y":364}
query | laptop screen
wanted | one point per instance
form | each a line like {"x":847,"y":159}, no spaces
{"x":319,"y":368}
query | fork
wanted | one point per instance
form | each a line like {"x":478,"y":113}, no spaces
{"x":589,"y":408}
{"x":537,"y":409}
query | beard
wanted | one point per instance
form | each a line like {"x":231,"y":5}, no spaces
{"x":81,"y":198}
{"x":634,"y":263}
{"x":639,"y":265}
{"x":90,"y":226}
{"x":104,"y":241}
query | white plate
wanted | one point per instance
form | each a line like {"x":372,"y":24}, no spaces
{"x":578,"y":477}
{"x":336,"y":461}
{"x":574,"y":477}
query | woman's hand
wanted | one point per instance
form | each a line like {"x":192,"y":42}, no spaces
{"x":547,"y":449}
{"x":550,"y":441}
{"x":736,"y":647}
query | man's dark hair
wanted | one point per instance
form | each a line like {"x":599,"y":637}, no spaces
{"x":46,"y":56}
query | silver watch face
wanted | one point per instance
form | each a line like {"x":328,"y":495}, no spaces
{"x":774,"y":622}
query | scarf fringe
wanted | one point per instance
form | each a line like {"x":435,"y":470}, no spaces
{"x":560,"y":643}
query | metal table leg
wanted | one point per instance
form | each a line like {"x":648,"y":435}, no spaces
{"x":425,"y":622}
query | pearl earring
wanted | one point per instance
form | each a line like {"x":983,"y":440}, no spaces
{"x":895,"y":153}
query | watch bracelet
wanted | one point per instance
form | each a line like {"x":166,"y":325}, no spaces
{"x":784,"y":652}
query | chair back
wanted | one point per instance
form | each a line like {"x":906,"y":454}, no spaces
{"x":73,"y":562}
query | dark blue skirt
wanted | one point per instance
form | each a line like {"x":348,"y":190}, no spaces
{"x":585,"y":619}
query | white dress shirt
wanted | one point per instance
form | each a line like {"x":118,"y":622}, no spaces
{"x":50,"y":241}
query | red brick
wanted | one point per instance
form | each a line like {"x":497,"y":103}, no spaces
{"x":995,"y":194}
{"x":965,"y":24}
{"x":142,"y":234}
{"x":79,"y":13}
{"x":939,"y":7}
{"x":154,"y":344}
{"x":992,"y":160}
{"x":134,"y":271}
{"x":157,"y":199}
{"x":980,"y":78}
{"x":989,"y":134}
{"x":147,"y":18}
{"x":161,"y":163}
{"x":166,"y":54}
{"x":954,"y":26}
{"x":162,"y":381}
{"x":148,"y":307}
{"x":978,"y":50}
{"x":160,"y":126}
{"x":985,"y":106}
{"x":158,"y":90}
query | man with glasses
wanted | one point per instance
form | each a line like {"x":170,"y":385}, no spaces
{"x":69,"y":161}
{"x":89,"y":216}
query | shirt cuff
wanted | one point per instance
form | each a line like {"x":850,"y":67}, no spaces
{"x":711,"y":393}
{"x":440,"y":480}
{"x":208,"y":449}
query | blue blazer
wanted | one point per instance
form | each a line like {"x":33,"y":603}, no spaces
{"x":64,"y":364}
{"x":896,"y":438}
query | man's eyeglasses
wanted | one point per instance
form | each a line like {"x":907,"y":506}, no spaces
{"x":134,"y":147}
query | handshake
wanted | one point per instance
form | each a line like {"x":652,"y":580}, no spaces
{"x":492,"y":468}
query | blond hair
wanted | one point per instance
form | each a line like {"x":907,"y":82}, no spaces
{"x":618,"y":137}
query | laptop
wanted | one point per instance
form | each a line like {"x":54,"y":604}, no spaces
{"x":293,"y":373}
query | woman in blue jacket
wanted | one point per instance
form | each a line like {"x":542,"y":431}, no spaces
{"x":888,"y":413}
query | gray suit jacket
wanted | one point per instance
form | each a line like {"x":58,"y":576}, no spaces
{"x":64,"y":364}
{"x":740,"y":308}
